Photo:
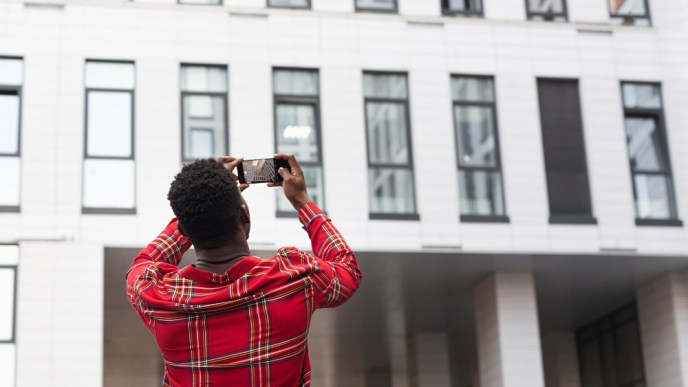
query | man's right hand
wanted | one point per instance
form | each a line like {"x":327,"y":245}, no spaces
{"x":293,"y":184}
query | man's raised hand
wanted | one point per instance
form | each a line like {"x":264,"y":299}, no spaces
{"x":231,"y":163}
{"x":293,"y":184}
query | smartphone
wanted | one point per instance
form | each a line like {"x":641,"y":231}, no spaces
{"x":261,"y":170}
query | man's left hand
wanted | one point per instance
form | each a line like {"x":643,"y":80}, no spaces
{"x":230,"y":163}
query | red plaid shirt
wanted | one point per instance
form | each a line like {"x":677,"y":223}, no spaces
{"x":246,"y":327}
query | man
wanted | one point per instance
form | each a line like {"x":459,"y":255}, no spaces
{"x":233,"y":319}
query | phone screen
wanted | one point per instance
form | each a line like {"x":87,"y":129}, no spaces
{"x":260,"y":170}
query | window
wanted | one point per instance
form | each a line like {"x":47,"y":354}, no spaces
{"x":546,"y":10}
{"x":610,"y":351}
{"x":462,"y":7}
{"x":305,"y":4}
{"x":390,"y":161}
{"x":109,"y":185}
{"x":564,"y":147}
{"x":201,"y":2}
{"x":9,"y":258}
{"x":648,"y":154}
{"x":477,"y":145}
{"x":376,"y":5}
{"x":204,"y":112}
{"x":297,"y":129}
{"x":630,"y":12}
{"x":11,"y":80}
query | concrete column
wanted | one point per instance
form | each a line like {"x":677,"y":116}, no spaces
{"x":508,"y":331}
{"x":378,"y":378}
{"x":429,"y":360}
{"x":60,"y":314}
{"x":561,"y":360}
{"x":663,"y":317}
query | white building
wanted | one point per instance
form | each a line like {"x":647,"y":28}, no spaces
{"x":517,"y":217}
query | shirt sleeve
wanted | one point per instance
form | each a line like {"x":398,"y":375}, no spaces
{"x":338,"y":275}
{"x":156,"y":260}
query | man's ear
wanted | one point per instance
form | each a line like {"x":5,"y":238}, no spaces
{"x":181,"y":229}
{"x":244,"y":216}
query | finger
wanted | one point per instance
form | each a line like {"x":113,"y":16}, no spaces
{"x":293,"y":164}
{"x":284,"y":172}
{"x":226,"y":159}
{"x":243,"y":187}
{"x":274,"y":184}
{"x":232,"y":164}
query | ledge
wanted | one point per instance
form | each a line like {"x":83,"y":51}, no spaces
{"x":379,"y":216}
{"x":659,"y":222}
{"x":484,"y":219}
{"x":572,"y":219}
{"x":108,"y":211}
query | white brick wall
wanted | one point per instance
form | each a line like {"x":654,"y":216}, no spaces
{"x":159,"y":35}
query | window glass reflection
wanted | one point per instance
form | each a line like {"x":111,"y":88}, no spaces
{"x":11,"y":72}
{"x":314,"y":186}
{"x":109,"y":124}
{"x":472,"y":89}
{"x":391,"y":191}
{"x":652,"y":197}
{"x":6,"y":303}
{"x":384,"y":86}
{"x":109,"y":184}
{"x":204,"y":79}
{"x":107,"y":75}
{"x":203,"y":125}
{"x":296,"y":131}
{"x":387,"y":133}
{"x":382,"y":5}
{"x":295,"y":82}
{"x":644,"y":144}
{"x":7,"y":364}
{"x":462,"y":6}
{"x":290,"y":3}
{"x":10,"y":174}
{"x":638,"y":95}
{"x":475,"y":129}
{"x":481,"y":193}
{"x":9,"y":124}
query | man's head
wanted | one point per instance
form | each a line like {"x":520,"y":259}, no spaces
{"x":206,"y":200}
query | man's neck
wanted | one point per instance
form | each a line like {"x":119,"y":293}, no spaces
{"x":220,"y":259}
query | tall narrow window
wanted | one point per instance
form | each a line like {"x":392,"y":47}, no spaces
{"x":9,"y":258}
{"x":204,"y":112}
{"x":11,"y":80}
{"x":376,"y":5}
{"x":477,"y":145}
{"x":610,"y":351}
{"x":564,"y":146}
{"x":305,"y":4}
{"x":109,"y":185}
{"x":648,"y":152}
{"x":462,"y":7}
{"x":547,"y":10}
{"x":390,"y":160}
{"x":297,"y":128}
{"x":630,"y":12}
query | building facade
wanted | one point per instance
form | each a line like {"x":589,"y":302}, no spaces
{"x":511,"y":173}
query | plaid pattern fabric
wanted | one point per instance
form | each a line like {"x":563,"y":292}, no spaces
{"x":247,"y":327}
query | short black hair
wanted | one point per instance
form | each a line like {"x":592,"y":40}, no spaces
{"x":206,"y":200}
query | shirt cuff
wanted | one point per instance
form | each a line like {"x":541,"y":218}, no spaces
{"x":309,"y":212}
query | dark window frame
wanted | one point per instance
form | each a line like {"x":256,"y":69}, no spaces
{"x":549,"y":16}
{"x":447,"y":11}
{"x":410,"y":165}
{"x":18,"y":91}
{"x":290,"y":99}
{"x":15,"y":268}
{"x":633,"y":18}
{"x":377,"y":10}
{"x":202,"y":4}
{"x":470,"y":218}
{"x":600,"y":331}
{"x":224,"y":95}
{"x":306,"y":7}
{"x":570,"y":219}
{"x":658,"y":115}
{"x":132,"y":92}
